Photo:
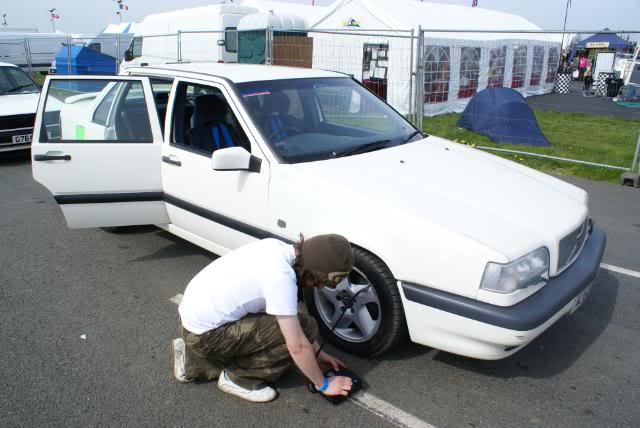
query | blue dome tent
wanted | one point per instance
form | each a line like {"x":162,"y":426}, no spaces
{"x":503,"y":115}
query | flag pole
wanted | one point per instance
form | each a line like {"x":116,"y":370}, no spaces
{"x":564,"y":28}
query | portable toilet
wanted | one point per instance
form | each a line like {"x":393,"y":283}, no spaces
{"x":291,"y":45}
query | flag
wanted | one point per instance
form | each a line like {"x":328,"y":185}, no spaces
{"x":54,"y":16}
{"x":474,"y":3}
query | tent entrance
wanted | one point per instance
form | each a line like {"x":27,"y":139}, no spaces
{"x":375,"y":64}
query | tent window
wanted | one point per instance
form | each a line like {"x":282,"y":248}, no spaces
{"x":538,"y":64}
{"x":519,"y":67}
{"x":554,"y":62}
{"x":437,"y":68}
{"x":469,"y":72}
{"x":497,"y":61}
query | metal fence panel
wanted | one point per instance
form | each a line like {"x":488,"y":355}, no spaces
{"x":590,"y":116}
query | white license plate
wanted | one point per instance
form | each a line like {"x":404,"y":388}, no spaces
{"x":21,"y":139}
{"x":581,"y":298}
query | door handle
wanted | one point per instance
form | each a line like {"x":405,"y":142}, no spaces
{"x":172,"y":161}
{"x":40,"y":158}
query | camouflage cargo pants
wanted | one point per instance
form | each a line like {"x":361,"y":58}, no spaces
{"x":252,"y":350}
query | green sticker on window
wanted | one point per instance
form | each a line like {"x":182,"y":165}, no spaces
{"x":79,"y":132}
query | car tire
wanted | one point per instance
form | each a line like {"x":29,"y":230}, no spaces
{"x":389,"y":323}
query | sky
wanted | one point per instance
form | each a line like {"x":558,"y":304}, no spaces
{"x":77,"y":17}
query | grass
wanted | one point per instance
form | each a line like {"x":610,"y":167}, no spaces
{"x":39,"y":78}
{"x":601,"y":139}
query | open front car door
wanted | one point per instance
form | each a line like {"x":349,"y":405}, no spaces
{"x":96,"y":147}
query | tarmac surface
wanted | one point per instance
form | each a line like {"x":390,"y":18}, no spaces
{"x":87,"y":324}
{"x":575,"y":102}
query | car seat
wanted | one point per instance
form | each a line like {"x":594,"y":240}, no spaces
{"x":210,"y":129}
{"x":276,"y":113}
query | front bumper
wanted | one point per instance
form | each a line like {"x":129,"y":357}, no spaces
{"x":480,"y":330}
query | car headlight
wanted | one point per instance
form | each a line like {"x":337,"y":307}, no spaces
{"x":528,"y":270}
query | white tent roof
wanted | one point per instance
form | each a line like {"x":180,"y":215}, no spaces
{"x":408,"y":14}
{"x":120,"y":28}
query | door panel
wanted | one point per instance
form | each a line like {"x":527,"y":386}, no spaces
{"x":227,"y":208}
{"x":97,"y":145}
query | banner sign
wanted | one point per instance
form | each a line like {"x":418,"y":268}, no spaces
{"x":597,"y":45}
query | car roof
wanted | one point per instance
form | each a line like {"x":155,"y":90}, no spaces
{"x":6,"y":64}
{"x":236,"y":73}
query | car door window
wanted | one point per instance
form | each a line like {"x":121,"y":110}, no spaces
{"x":203,"y":121}
{"x":96,"y":111}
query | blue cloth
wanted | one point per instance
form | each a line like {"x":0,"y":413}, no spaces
{"x":503,"y":115}
{"x":76,"y":59}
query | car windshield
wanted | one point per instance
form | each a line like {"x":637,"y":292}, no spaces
{"x":313,"y":119}
{"x":15,"y":81}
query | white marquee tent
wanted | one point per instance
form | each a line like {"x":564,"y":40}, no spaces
{"x":457,"y":64}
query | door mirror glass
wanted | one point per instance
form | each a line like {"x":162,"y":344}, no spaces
{"x":234,"y":159}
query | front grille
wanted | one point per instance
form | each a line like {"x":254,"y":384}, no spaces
{"x":17,"y":121}
{"x":571,"y":245}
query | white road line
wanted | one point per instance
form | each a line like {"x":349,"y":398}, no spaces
{"x":176,"y":299}
{"x":370,"y":402}
{"x":387,"y":411}
{"x":620,"y":270}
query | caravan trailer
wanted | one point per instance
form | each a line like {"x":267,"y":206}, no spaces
{"x":207,"y":33}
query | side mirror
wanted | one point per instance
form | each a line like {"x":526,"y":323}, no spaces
{"x":235,"y":159}
{"x":128,"y":55}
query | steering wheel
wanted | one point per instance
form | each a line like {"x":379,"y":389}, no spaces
{"x":282,"y":130}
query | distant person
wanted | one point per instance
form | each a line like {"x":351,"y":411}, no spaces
{"x":582,"y":67}
{"x":588,"y":78}
{"x":240,"y":319}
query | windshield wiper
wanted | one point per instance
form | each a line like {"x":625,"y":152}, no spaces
{"x":17,"y":88}
{"x":413,"y":134}
{"x":363,"y":148}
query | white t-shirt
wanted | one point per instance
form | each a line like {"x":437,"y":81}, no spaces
{"x":258,"y":277}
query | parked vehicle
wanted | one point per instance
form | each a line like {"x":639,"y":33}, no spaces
{"x":217,"y":40}
{"x":35,"y":50}
{"x":18,"y":102}
{"x":467,"y":252}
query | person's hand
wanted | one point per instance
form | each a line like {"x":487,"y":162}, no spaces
{"x":327,"y":361}
{"x":338,"y":385}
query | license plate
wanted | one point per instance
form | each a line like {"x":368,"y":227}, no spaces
{"x":21,"y":139}
{"x":581,"y":298}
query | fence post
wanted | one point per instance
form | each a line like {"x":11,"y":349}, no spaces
{"x":27,"y":51}
{"x":412,"y":113}
{"x":68,"y":55}
{"x":268,"y":49}
{"x":118,"y":54}
{"x":635,"y":157}
{"x":419,"y":94}
{"x":179,"y":46}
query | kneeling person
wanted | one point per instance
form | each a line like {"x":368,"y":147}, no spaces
{"x":240,"y":321}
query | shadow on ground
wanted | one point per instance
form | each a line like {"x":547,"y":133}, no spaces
{"x":556,"y":349}
{"x":178,"y":247}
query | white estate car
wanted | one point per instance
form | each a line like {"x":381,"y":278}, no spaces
{"x":464,"y":251}
{"x":18,"y":101}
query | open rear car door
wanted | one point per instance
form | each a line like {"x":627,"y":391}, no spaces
{"x":96,"y":147}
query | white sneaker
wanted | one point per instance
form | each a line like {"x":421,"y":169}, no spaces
{"x":257,"y":396}
{"x":179,"y":370}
